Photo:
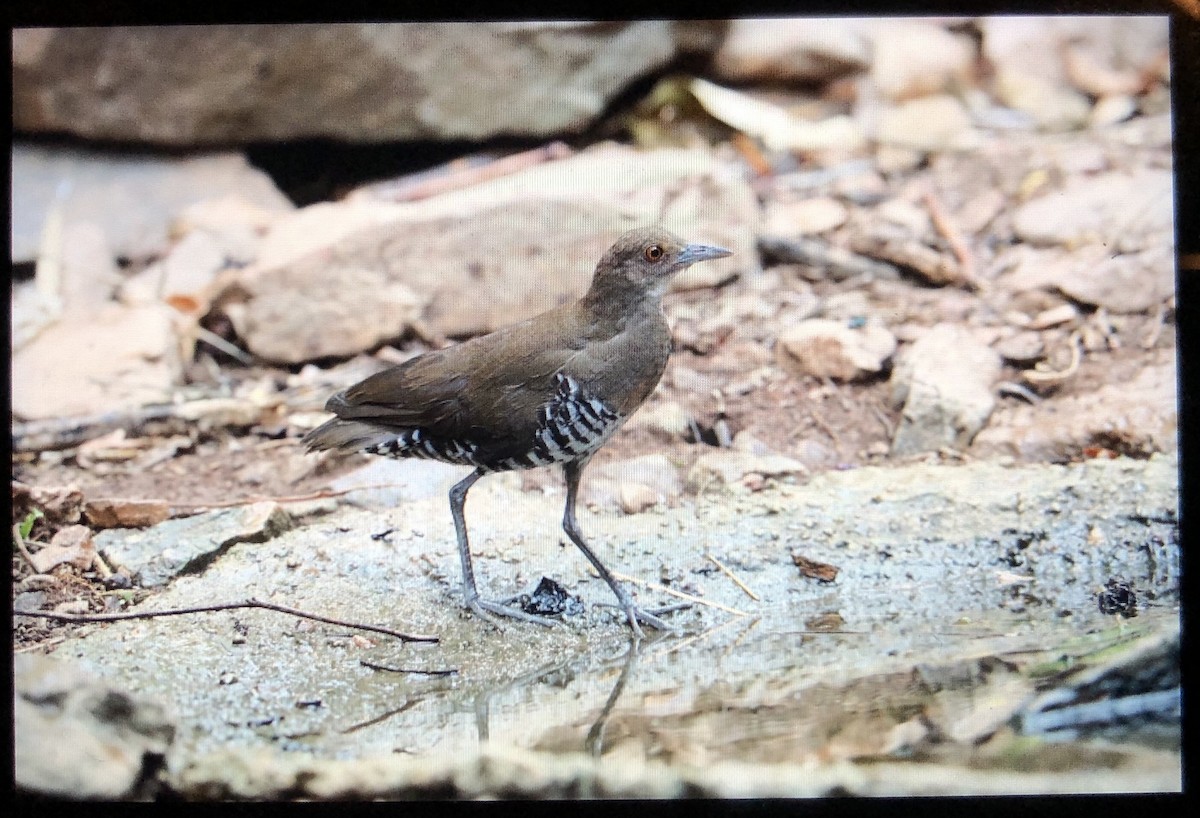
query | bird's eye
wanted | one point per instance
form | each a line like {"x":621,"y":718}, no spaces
{"x":654,"y":253}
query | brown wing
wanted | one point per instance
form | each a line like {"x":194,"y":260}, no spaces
{"x":490,"y":386}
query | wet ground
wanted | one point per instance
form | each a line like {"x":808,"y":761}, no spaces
{"x":962,"y":593}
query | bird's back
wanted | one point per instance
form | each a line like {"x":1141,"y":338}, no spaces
{"x":550,"y":389}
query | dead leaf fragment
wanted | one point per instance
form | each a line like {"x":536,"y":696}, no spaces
{"x":119,"y":513}
{"x":813,"y":569}
{"x":72,"y":544}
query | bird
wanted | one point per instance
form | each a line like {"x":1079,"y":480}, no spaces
{"x":550,"y":390}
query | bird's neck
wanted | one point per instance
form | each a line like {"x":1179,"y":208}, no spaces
{"x":613,"y":303}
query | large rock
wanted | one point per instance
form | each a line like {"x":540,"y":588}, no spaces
{"x":832,"y":349}
{"x":912,"y":58}
{"x":932,"y":123}
{"x":1122,"y":211}
{"x":156,"y":555}
{"x":132,"y":197}
{"x":732,"y":468}
{"x":1046,"y":66}
{"x":1041,"y":46}
{"x":193,"y":85}
{"x":1135,"y":416}
{"x":633,"y":485}
{"x":944,"y":382}
{"x":800,"y":50}
{"x":473,"y":260}
{"x":79,"y":738}
{"x":113,"y":357}
{"x":1131,"y":282}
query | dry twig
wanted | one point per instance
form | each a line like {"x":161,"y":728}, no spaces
{"x":226,"y":606}
{"x":457,"y":177}
{"x":954,"y":237}
{"x":656,"y":587}
{"x":19,"y":541}
{"x":1042,"y":374}
{"x":732,"y":576}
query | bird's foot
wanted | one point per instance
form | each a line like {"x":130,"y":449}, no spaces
{"x":485,"y":609}
{"x":636,"y":615}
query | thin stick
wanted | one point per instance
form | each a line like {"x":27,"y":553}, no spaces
{"x":385,"y":668}
{"x":680,"y":594}
{"x":414,"y":190}
{"x":20,"y":543}
{"x":1042,"y":374}
{"x":950,"y":232}
{"x":824,"y":427}
{"x":217,"y":342}
{"x":883,"y":421}
{"x":57,"y":640}
{"x":674,"y":647}
{"x":732,"y":576}
{"x":296,"y":498}
{"x":1156,"y":329}
{"x":225,"y":606}
{"x":100,"y":566}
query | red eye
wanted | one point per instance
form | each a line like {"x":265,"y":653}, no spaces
{"x":654,"y":252}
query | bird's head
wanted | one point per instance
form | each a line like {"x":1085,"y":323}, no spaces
{"x":643,"y":261}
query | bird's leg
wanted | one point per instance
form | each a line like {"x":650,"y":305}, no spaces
{"x":480,"y":607}
{"x":572,"y":471}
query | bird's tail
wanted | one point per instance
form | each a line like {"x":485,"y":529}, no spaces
{"x":349,"y":435}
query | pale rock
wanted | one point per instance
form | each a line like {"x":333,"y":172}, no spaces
{"x":933,"y":123}
{"x":157,"y":554}
{"x":1137,"y":414}
{"x":1054,"y":316}
{"x":113,"y":358}
{"x":233,"y":212}
{"x":133,"y":197}
{"x":894,"y":159}
{"x":668,"y":417}
{"x":88,"y":271}
{"x":637,"y":497}
{"x":795,"y":50}
{"x":33,"y":310}
{"x":779,"y":128}
{"x":1136,"y":208}
{"x":1024,"y":347}
{"x":191,"y":267}
{"x":632,"y":485}
{"x":470,"y":261}
{"x":814,"y":454}
{"x":1086,"y":51}
{"x":831,"y":349}
{"x":1053,"y":107}
{"x":687,"y":379}
{"x":944,"y":382}
{"x":387,"y":482}
{"x":1126,"y":283}
{"x":975,"y":215}
{"x":816,"y":215}
{"x":77,"y":737}
{"x":846,"y":306}
{"x":903,"y":213}
{"x":744,"y":441}
{"x":1112,"y":109}
{"x":730,"y":468}
{"x":310,"y":229}
{"x":913,"y":58}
